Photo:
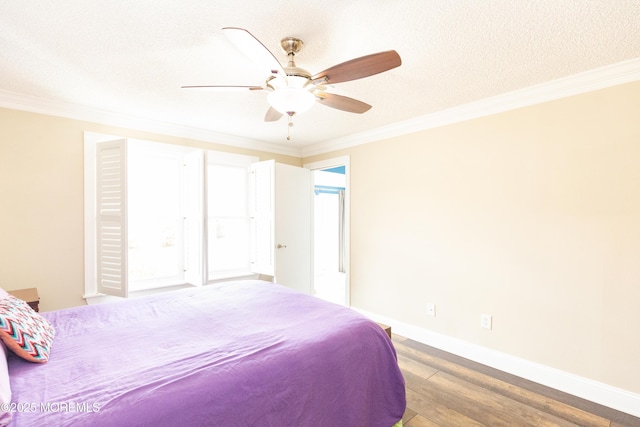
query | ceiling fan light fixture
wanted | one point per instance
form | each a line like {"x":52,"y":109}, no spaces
{"x":293,"y":90}
{"x":291,"y":100}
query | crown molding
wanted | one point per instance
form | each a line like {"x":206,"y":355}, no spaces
{"x":588,"y":81}
{"x":34,"y":104}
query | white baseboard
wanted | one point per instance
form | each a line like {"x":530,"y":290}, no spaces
{"x":584,"y":388}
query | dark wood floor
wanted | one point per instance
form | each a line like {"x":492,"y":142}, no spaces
{"x":447,"y":390}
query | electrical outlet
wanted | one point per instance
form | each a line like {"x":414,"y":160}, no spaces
{"x":485,"y":321}
{"x":431,"y":309}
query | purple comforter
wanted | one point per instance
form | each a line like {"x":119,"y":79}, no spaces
{"x":244,"y":353}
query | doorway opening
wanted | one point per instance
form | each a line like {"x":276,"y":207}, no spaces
{"x":331,"y":230}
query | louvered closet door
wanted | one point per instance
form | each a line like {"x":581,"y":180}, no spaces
{"x":111,"y":224}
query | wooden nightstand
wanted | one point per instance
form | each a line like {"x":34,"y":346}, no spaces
{"x":386,"y":328}
{"x":30,"y":296}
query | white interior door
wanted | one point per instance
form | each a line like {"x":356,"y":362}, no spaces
{"x":293,"y":227}
{"x":281,"y":223}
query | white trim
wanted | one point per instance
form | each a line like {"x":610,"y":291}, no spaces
{"x":587,"y":81}
{"x":90,"y":286}
{"x":99,"y":298}
{"x":91,"y":139}
{"x":585,"y":388}
{"x":328,"y":163}
{"x":34,"y":104}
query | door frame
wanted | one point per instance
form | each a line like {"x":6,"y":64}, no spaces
{"x":326,"y":164}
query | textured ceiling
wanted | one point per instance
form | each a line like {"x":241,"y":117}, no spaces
{"x":131,"y":57}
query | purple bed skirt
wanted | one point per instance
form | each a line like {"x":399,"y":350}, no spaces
{"x":246,"y":353}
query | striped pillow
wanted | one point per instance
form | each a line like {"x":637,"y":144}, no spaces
{"x":24,"y":331}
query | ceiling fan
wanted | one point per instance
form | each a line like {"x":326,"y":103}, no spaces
{"x":293,"y":90}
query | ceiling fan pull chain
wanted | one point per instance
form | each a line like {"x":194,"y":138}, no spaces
{"x":289,"y":126}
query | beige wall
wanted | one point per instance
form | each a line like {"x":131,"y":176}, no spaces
{"x":42,"y":206}
{"x":532,"y":216}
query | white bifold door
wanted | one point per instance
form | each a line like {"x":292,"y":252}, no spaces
{"x":281,"y":223}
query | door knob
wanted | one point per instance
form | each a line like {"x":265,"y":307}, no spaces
{"x":281,"y":246}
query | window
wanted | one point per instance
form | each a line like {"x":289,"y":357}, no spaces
{"x":160,"y":214}
{"x":155,"y":220}
{"x":228,"y":216}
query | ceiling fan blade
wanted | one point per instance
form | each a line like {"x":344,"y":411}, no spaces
{"x":358,"y":68}
{"x":343,"y":103}
{"x":254,"y":49}
{"x":217,"y":88}
{"x":272,"y":115}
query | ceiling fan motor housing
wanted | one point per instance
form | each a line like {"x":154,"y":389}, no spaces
{"x":290,"y":95}
{"x":291,"y":46}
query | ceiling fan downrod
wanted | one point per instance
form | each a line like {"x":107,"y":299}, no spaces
{"x":291,"y":46}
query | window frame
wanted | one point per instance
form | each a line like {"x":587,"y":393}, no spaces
{"x":236,"y":161}
{"x":91,"y":139}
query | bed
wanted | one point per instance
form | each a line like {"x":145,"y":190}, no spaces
{"x":243,"y":353}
